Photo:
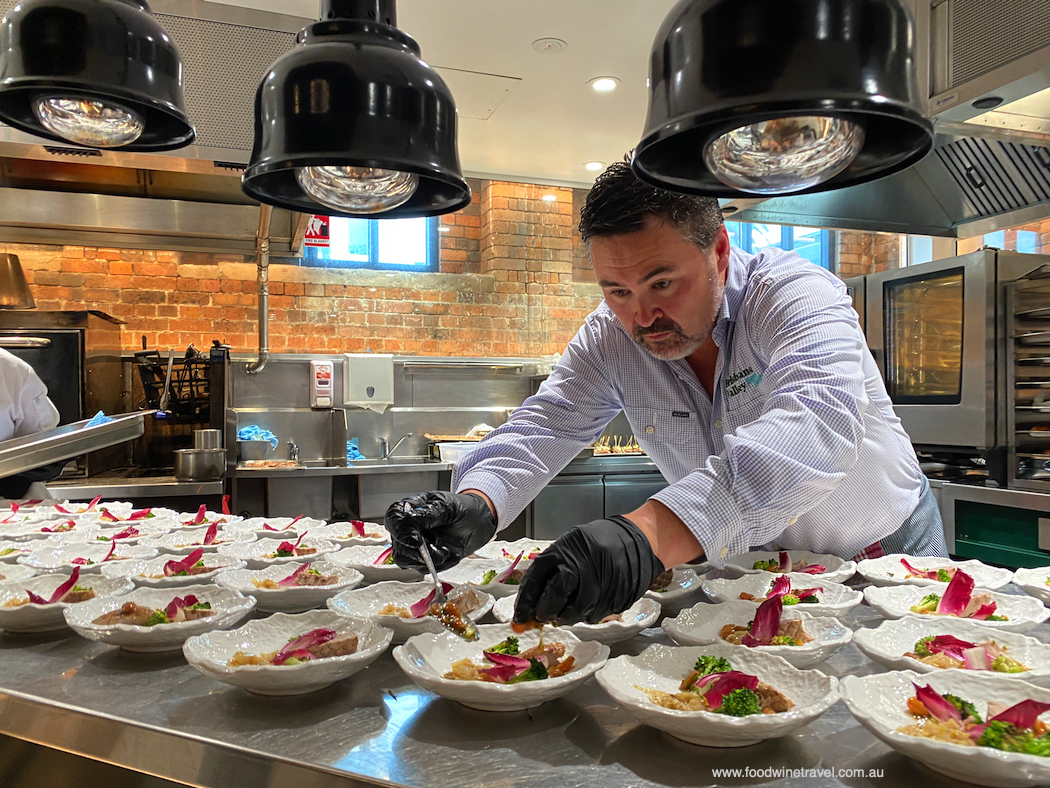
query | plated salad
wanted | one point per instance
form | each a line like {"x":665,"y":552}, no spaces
{"x":303,"y":575}
{"x":948,"y":651}
{"x":510,"y":576}
{"x":322,"y":643}
{"x":505,"y":663}
{"x":768,"y":628}
{"x":959,"y":601}
{"x":783,"y":565}
{"x":781,"y":586}
{"x":714,"y":686}
{"x":450,"y":613}
{"x":187,"y":608}
{"x":289,"y":550}
{"x":68,"y":593}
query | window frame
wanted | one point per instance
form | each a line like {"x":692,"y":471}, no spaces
{"x":787,"y":242}
{"x":431,"y":265}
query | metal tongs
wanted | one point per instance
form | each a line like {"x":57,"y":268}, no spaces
{"x":471,"y":631}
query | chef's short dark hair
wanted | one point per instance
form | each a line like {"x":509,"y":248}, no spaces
{"x":620,"y":203}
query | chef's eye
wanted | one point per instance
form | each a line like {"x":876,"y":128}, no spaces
{"x":619,"y":293}
{"x":663,"y":284}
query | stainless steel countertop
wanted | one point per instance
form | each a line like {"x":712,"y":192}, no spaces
{"x":120,"y":487}
{"x":411,"y":465}
{"x":155,"y":714}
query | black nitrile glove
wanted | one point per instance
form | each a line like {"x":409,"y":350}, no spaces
{"x":453,"y":525}
{"x":590,"y":572}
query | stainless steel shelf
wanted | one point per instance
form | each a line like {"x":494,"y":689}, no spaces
{"x":71,"y":440}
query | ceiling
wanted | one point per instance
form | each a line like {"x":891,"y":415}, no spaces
{"x":544,"y":121}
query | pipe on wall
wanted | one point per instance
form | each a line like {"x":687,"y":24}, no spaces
{"x":262,"y":255}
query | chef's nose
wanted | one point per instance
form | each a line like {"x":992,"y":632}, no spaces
{"x":647,"y":314}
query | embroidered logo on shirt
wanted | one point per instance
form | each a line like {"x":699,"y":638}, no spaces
{"x":681,"y":414}
{"x":739,"y":381}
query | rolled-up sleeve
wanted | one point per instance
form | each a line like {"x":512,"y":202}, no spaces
{"x":805,"y":439}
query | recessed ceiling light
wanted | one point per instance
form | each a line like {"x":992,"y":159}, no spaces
{"x":604,"y":84}
{"x":595,"y":166}
{"x":550,"y":197}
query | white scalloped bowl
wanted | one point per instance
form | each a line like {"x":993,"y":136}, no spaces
{"x":524,"y":545}
{"x":878,"y":702}
{"x":293,"y":599}
{"x":17,"y":549}
{"x":473,"y":571}
{"x":699,"y":626}
{"x":1022,"y":612}
{"x":889,"y":571}
{"x":84,"y":530}
{"x":141,"y":572}
{"x":641,"y":615}
{"x":46,"y":618}
{"x":1034,"y":582}
{"x":684,"y":584}
{"x":20,"y":519}
{"x":368,"y":601}
{"x":360,"y":557}
{"x":835,"y":600}
{"x":229,"y":606}
{"x":186,"y":519}
{"x":279,"y":527}
{"x":255,"y":553}
{"x":122,"y":510}
{"x":153,"y":530}
{"x":888,"y":643}
{"x":342,"y":533}
{"x":838,"y":569}
{"x":427,"y":658}
{"x":16,"y":572}
{"x":61,"y":557}
{"x":663,"y":668}
{"x":209,"y":653}
{"x":184,"y":541}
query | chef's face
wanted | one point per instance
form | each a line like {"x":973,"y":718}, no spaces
{"x":663,"y":288}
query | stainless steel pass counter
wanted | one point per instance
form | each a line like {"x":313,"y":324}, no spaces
{"x":155,"y":714}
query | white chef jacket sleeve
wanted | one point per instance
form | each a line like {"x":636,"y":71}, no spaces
{"x":808,"y":435}
{"x":24,"y":405}
{"x":38,"y":411}
{"x":570,"y":410}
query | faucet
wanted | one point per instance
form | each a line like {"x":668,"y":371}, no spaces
{"x":293,"y":451}
{"x":385,"y":449}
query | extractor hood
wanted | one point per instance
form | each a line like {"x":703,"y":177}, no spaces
{"x":989,"y":87}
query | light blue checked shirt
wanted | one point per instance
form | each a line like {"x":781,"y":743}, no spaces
{"x":798,"y":448}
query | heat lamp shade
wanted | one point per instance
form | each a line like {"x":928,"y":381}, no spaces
{"x":355,"y":93}
{"x":718,"y":65}
{"x":14,"y":290}
{"x":112,"y":51}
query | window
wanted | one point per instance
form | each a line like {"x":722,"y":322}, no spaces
{"x":810,"y":242}
{"x":383,"y":244}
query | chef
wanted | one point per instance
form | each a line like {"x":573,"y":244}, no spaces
{"x":24,"y":409}
{"x":747,"y":380}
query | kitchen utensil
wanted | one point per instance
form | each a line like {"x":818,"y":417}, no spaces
{"x":199,"y":465}
{"x":471,"y":632}
{"x":163,"y":406}
{"x":207,"y":439}
{"x":255,"y":450}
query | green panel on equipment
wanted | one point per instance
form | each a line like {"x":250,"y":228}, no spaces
{"x":999,"y":535}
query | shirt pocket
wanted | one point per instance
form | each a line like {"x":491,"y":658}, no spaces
{"x":661,"y":432}
{"x":743,"y":408}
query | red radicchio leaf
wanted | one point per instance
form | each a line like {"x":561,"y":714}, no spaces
{"x":175,"y":605}
{"x":108,"y":516}
{"x":813,"y":569}
{"x":33,"y":502}
{"x":928,"y":574}
{"x":112,"y":548}
{"x":58,"y":508}
{"x":35,"y":599}
{"x":381,"y":559}
{"x":200,"y":516}
{"x":803,"y":593}
{"x":68,"y":525}
{"x":781,"y":586}
{"x":785,"y":562}
{"x":297,"y":648}
{"x":420,"y":608}
{"x":62,"y":590}
{"x":766,"y":624}
{"x":502,"y":576}
{"x":950,"y":645}
{"x":79,"y":562}
{"x":984,"y":611}
{"x":728,"y":682}
{"x":93,"y":504}
{"x":295,"y":520}
{"x":291,"y":547}
{"x":501,"y":674}
{"x":225,"y":504}
{"x":358,"y":526}
{"x":127,"y":533}
{"x":293,"y":578}
{"x":209,"y":536}
{"x":507,"y":660}
{"x":956,"y":595}
{"x":1023,"y":714}
{"x":14,"y":510}
{"x":268,"y":527}
{"x":141,"y":514}
{"x":935,"y":704}
{"x":172,"y":568}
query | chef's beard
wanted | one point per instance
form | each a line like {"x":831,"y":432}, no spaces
{"x":677,"y":345}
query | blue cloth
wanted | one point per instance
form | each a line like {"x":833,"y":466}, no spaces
{"x":98,"y":418}
{"x":799,"y":442}
{"x":254,"y":432}
{"x":352,"y":452}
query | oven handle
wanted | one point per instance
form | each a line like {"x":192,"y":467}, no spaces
{"x":24,"y":342}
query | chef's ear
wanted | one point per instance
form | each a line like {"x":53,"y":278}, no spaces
{"x":720,"y":248}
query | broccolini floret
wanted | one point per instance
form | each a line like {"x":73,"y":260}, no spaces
{"x":767,"y":566}
{"x":158,"y":617}
{"x":921,"y":648}
{"x":1003,"y":736}
{"x":1004,"y":663}
{"x":965,"y":708}
{"x":200,"y":606}
{"x":790,"y":599}
{"x":488,"y":577}
{"x":783,"y":640}
{"x":508,"y":646}
{"x":741,"y":703}
{"x":928,"y":604}
{"x":706,"y":665}
{"x":809,"y":599}
{"x":536,"y":671}
{"x":996,"y":618}
{"x":943,"y":576}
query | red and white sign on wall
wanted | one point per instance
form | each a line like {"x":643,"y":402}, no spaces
{"x":316,"y":231}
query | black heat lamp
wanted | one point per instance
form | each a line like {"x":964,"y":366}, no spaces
{"x":781,"y":96}
{"x":353,"y":123}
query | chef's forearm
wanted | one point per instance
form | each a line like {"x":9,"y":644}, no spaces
{"x":670,"y":538}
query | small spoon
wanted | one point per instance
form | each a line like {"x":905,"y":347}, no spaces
{"x":471,"y":631}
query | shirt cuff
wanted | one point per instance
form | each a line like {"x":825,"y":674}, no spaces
{"x":494,"y":487}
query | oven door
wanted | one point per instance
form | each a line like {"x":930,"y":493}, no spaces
{"x":56,"y":356}
{"x":932,"y":330}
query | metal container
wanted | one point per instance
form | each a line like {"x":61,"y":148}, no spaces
{"x":255,"y":450}
{"x":207,"y":439}
{"x":199,"y":465}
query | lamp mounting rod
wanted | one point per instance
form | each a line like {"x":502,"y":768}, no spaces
{"x":382,"y":11}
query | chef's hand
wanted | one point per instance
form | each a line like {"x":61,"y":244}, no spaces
{"x":590,"y":572}
{"x":453,"y":525}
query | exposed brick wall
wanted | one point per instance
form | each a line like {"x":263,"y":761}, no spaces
{"x":865,"y":253}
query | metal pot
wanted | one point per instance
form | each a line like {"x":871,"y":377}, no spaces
{"x":255,"y":450}
{"x":199,"y":465}
{"x":207,"y":439}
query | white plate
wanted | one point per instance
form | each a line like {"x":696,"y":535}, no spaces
{"x":254,"y":553}
{"x":84,"y":529}
{"x":184,"y":541}
{"x":838,"y":570}
{"x":835,"y":600}
{"x":17,"y":549}
{"x":663,"y":668}
{"x":1033,"y":582}
{"x":294,"y":599}
{"x":684,"y":583}
{"x":889,"y":571}
{"x":342,"y":533}
{"x":134,"y":570}
{"x":495,"y":549}
{"x":45,"y":618}
{"x":368,"y":601}
{"x":152,"y":531}
{"x":700,"y":624}
{"x":473,"y":571}
{"x":280,"y":527}
{"x":123,"y":510}
{"x":878,"y":702}
{"x":641,"y":615}
{"x":229,"y":606}
{"x":209,"y":653}
{"x":426,"y":659}
{"x":360,"y":557}
{"x":186,"y":519}
{"x":1022,"y":612}
{"x":60,"y":558}
{"x":16,"y":572}
{"x":888,"y":643}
